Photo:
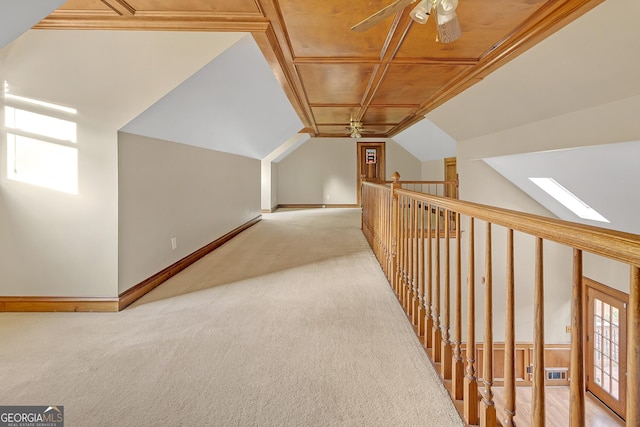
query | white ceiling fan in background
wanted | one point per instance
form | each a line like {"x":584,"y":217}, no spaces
{"x":445,"y":13}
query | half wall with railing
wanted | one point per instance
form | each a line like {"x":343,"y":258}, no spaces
{"x":418,"y":240}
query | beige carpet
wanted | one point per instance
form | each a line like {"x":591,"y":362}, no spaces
{"x":291,"y":323}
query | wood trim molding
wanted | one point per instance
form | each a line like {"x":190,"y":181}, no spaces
{"x":622,"y":296}
{"x":58,"y":304}
{"x":132,"y":294}
{"x":151,"y":22}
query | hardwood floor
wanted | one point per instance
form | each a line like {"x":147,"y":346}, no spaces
{"x":557,"y":408}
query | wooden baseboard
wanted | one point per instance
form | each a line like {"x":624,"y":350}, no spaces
{"x":61,"y":304}
{"x":132,"y":294}
{"x":316,"y":206}
{"x":82,"y":304}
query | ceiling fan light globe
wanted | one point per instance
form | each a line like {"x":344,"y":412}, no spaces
{"x":421,"y":12}
{"x":447,"y":7}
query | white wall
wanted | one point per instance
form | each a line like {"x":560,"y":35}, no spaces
{"x":432,"y":170}
{"x":323,"y":171}
{"x":401,"y":161}
{"x":60,"y":244}
{"x":173,"y":190}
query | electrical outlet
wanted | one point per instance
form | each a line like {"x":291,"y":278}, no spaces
{"x":174,"y":243}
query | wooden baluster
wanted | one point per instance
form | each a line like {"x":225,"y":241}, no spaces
{"x":428,"y":321}
{"x":633,"y":349}
{"x":537,"y":392}
{"x":407,"y":279}
{"x":421,"y":302}
{"x":408,"y":289}
{"x":457,"y":374}
{"x":470,"y":380}
{"x":509,"y":339}
{"x":576,"y":367}
{"x":488,"y":413}
{"x":395,"y":228}
{"x":414,"y":282}
{"x":406,"y":292}
{"x":389,"y":227}
{"x":436,"y":340}
{"x":445,"y":360}
{"x":416,"y":290}
{"x":403,"y":282}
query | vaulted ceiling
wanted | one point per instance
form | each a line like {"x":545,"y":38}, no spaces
{"x":388,"y":77}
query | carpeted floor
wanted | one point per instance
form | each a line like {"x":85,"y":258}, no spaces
{"x":292,"y":323}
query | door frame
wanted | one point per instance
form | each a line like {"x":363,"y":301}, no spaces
{"x":381,"y":161}
{"x":591,"y":387}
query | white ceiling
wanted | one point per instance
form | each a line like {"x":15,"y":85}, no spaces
{"x":70,"y":68}
{"x":427,"y":141}
{"x":592,"y":61}
{"x":225,"y":106}
{"x":606,"y":186}
{"x":17,"y":16}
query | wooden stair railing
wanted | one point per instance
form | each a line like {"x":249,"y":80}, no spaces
{"x":404,"y":229}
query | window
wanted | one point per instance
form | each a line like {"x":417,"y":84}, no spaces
{"x":41,"y":143}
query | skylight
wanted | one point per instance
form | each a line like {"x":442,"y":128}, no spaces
{"x":568,"y":199}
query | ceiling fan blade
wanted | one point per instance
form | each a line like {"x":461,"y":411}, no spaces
{"x":381,"y":14}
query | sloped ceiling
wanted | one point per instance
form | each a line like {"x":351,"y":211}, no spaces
{"x":70,"y":68}
{"x":592,"y":61}
{"x":600,"y":184}
{"x":17,"y":16}
{"x":425,"y":141}
{"x":233,"y":104}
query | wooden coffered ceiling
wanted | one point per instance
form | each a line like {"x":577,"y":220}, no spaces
{"x":388,"y":77}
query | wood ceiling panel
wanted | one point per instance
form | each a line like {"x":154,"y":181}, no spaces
{"x":411,"y":84}
{"x":388,"y":76}
{"x":217,"y":6}
{"x":335,"y":83}
{"x":319,"y":28}
{"x":333,"y":115}
{"x":483,"y":25}
{"x":387,"y":115}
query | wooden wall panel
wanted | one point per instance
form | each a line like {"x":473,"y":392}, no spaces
{"x":556,"y":356}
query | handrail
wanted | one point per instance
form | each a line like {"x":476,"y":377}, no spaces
{"x":399,"y":225}
{"x":617,"y":245}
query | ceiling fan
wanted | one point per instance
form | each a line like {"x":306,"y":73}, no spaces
{"x":445,"y":13}
{"x":355,"y":128}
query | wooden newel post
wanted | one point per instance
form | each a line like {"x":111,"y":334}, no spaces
{"x":395,"y":273}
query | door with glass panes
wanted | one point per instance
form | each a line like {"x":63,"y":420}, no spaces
{"x":606,"y":345}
